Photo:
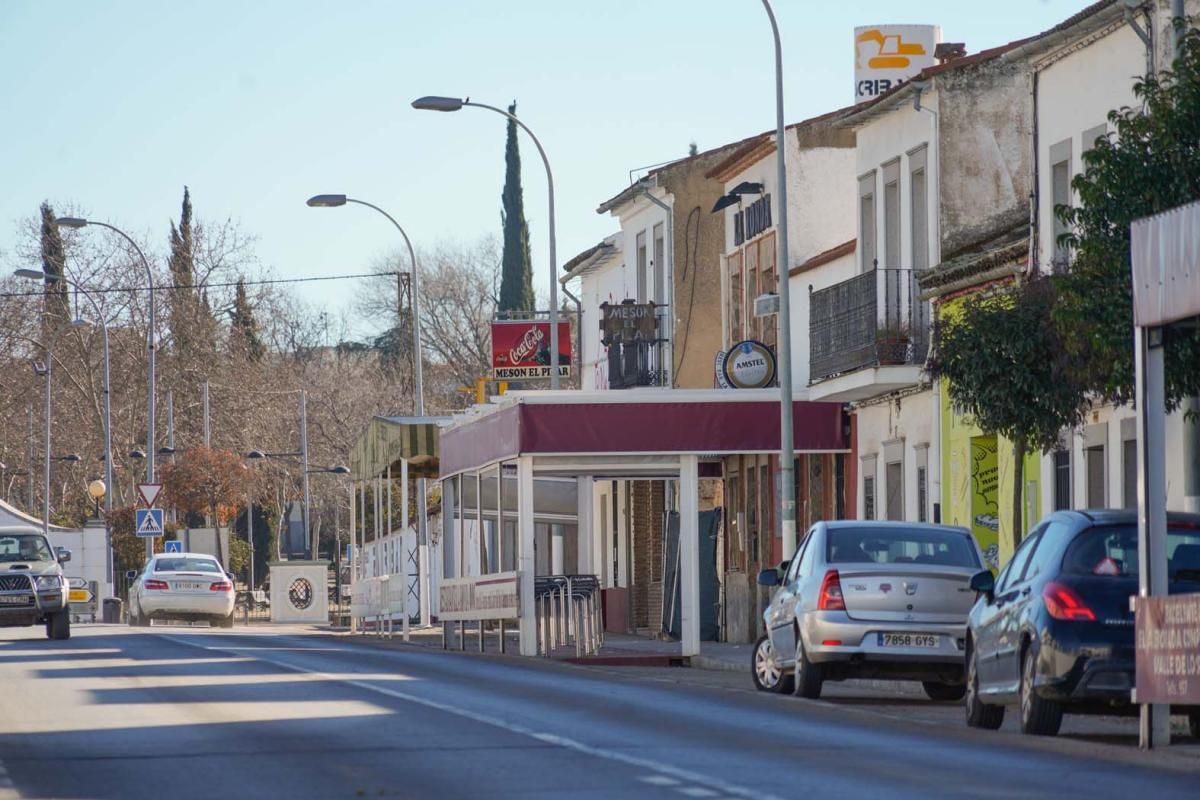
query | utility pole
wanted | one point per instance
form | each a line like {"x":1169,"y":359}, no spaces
{"x":29,"y":467}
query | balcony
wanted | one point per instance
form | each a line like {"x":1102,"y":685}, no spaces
{"x":868,"y":335}
{"x":633,"y":364}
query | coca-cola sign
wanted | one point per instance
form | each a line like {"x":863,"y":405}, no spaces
{"x":521,"y":350}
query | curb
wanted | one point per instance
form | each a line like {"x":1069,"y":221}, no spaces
{"x":717,"y":664}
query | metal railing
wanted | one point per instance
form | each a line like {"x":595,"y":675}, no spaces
{"x":632,"y":364}
{"x":567,"y":609}
{"x":378,"y":601}
{"x":873,"y":319}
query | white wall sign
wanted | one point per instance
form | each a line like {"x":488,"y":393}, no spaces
{"x":495,"y":596}
{"x":887,"y":55}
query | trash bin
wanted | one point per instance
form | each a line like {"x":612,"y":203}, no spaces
{"x":113,"y":608}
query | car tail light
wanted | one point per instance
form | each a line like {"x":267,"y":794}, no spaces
{"x":221,"y":586}
{"x":831,"y":593}
{"x":153,"y":584}
{"x":1063,"y":602}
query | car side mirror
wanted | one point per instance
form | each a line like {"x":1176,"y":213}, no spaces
{"x":768,"y":577}
{"x":984,"y":583}
{"x":130,"y":574}
{"x":64,"y":555}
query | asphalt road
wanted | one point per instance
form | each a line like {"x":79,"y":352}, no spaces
{"x":181,"y":713}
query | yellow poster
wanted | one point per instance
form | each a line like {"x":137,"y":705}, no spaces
{"x":985,"y":507}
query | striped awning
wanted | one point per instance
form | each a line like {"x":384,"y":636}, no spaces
{"x":389,"y":440}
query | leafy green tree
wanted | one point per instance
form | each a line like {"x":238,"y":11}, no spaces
{"x":1001,"y":361}
{"x":516,"y":271}
{"x":239,"y":557}
{"x":57,"y":310}
{"x":1151,"y":163}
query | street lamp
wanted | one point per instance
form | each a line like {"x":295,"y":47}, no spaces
{"x":46,"y":371}
{"x":787,"y":453}
{"x":337,"y":200}
{"x":34,"y":274}
{"x":76,"y":223}
{"x":434,"y":103}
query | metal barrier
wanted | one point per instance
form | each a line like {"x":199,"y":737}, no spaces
{"x":567,"y":608}
{"x":380,"y":599}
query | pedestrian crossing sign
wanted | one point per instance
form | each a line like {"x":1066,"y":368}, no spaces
{"x":149,"y":522}
{"x":174,"y":546}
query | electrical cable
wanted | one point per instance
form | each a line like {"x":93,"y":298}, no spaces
{"x":226,"y":284}
{"x":690,"y":258}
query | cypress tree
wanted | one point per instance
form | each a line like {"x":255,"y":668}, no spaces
{"x":516,"y":276}
{"x":57,"y":308}
{"x":244,"y":328}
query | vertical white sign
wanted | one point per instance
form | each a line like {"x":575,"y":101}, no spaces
{"x":887,"y":55}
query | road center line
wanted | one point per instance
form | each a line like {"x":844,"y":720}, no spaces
{"x":684,"y":775}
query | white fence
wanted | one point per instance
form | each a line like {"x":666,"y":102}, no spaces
{"x":380,"y":600}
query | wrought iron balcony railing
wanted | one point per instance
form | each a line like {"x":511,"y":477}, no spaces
{"x":873,"y":319}
{"x":642,"y":363}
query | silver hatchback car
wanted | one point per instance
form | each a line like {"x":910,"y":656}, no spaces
{"x":866,"y":599}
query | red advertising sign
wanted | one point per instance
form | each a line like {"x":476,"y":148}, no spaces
{"x":521,"y":350}
{"x":1168,"y":649}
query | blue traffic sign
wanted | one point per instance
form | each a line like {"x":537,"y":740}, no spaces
{"x":148,"y":522}
{"x":173,"y":546}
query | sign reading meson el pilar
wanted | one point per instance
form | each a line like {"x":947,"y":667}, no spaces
{"x":627,"y":322}
{"x":752,"y":220}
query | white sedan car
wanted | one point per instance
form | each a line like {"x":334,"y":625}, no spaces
{"x":181,"y":586}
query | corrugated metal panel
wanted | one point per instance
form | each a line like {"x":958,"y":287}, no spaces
{"x":1166,"y":266}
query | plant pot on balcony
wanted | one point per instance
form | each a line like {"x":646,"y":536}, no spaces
{"x":893,"y":347}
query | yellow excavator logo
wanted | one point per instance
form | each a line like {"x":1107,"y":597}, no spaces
{"x":882,"y":51}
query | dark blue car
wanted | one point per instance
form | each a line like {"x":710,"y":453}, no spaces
{"x":1053,"y":632}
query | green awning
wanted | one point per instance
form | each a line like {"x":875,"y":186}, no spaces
{"x":389,"y":440}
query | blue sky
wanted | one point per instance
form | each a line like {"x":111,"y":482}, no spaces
{"x":114,"y":106}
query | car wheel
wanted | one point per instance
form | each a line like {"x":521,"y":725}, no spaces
{"x":1039,"y":716}
{"x":58,"y":625}
{"x":808,"y":677}
{"x":768,"y":674}
{"x":224,"y":622}
{"x":979,"y":713}
{"x":936,"y":690}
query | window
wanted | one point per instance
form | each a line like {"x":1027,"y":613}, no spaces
{"x":734,"y":504}
{"x":868,"y":497}
{"x":1112,"y":551}
{"x":1129,"y":472}
{"x":1060,"y":195}
{"x":922,"y":494}
{"x":891,"y":215}
{"x":866,"y":544}
{"x":1017,"y":566}
{"x":1094,"y":464}
{"x":736,"y":295}
{"x":660,"y":279}
{"x":24,"y":547}
{"x":1062,"y":479}
{"x":752,"y":513}
{"x":641,"y":267}
{"x":919,"y":213}
{"x":866,"y":222}
{"x":894,"y":484}
{"x":1048,"y":547}
{"x":768,"y":282}
{"x":750,"y":256}
{"x":186,"y":565}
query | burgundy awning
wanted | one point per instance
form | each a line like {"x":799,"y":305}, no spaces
{"x":710,"y":428}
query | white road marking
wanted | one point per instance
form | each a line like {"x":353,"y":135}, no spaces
{"x":658,"y":780}
{"x":696,"y":791}
{"x":684,"y":775}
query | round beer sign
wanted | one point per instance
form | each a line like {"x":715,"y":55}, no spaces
{"x":749,"y":365}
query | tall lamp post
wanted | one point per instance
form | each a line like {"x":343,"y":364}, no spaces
{"x":434,"y":103}
{"x":34,"y":274}
{"x":76,"y":223}
{"x":787,"y":453}
{"x":337,"y":200}
{"x":46,"y":371}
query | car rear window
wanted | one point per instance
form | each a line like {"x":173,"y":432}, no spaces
{"x":186,"y":565}
{"x":898,"y":545}
{"x":1112,"y":550}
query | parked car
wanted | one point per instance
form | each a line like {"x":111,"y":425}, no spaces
{"x":33,"y":590}
{"x":181,"y":586}
{"x":869,"y":600}
{"x":1053,"y":633}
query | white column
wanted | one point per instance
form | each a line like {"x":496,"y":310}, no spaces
{"x":525,"y":562}
{"x":354,"y":556}
{"x":689,"y":553}
{"x":584,"y":532}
